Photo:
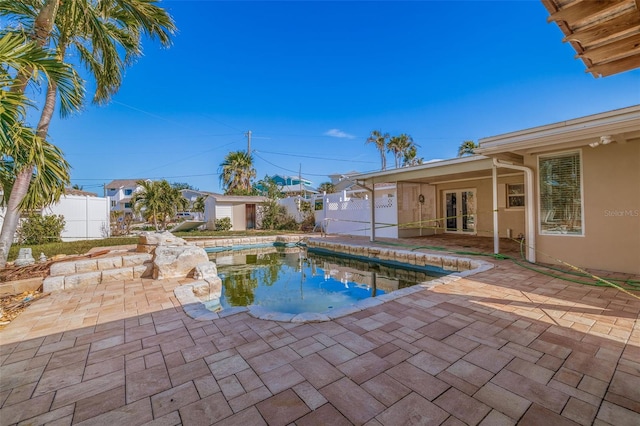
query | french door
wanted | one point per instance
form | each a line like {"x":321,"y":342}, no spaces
{"x":460,"y":211}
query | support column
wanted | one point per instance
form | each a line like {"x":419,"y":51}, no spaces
{"x":373,"y":212}
{"x":496,"y":234}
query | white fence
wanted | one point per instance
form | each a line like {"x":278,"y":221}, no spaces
{"x":292,"y":204}
{"x":85,"y":217}
{"x":344,"y":213}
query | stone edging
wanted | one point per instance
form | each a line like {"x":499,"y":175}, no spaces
{"x":197,"y":310}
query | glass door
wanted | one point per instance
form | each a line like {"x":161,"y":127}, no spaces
{"x":460,"y":211}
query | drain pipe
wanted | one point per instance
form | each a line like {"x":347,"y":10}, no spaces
{"x":530,"y":228}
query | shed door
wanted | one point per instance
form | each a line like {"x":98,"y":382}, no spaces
{"x":251,"y":216}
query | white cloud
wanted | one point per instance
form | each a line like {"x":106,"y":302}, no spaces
{"x":337,"y":133}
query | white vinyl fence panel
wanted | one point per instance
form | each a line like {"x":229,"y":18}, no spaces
{"x":342,"y":214}
{"x":292,"y":204}
{"x":86,"y":218}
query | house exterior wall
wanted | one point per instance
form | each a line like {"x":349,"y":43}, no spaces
{"x":507,"y":218}
{"x":239,"y":217}
{"x":119,"y":197}
{"x":210,"y":212}
{"x":611,"y":205}
{"x":417,"y":218}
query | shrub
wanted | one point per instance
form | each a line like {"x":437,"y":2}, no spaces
{"x":309,"y":222}
{"x":37,"y":229}
{"x":223,"y":224}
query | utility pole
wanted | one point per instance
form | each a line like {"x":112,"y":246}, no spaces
{"x":248,"y":135}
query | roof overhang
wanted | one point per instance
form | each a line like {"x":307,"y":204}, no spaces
{"x":604,"y":33}
{"x":476,"y":166}
{"x":621,"y":126}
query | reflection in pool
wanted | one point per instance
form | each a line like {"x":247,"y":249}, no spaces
{"x":293,"y":280}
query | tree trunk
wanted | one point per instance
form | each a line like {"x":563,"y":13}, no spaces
{"x":43,"y":26}
{"x":12,"y":216}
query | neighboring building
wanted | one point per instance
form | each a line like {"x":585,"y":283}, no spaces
{"x":293,"y":185}
{"x":120,"y":192}
{"x":341,"y":182}
{"x":569,"y":188}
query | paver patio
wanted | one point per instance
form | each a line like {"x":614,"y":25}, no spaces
{"x":507,"y":346}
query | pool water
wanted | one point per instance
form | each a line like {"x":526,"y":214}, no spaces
{"x":294,"y":280}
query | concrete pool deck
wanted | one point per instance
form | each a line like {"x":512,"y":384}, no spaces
{"x":502,"y":347}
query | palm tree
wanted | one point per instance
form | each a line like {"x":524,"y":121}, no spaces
{"x":148,"y":201}
{"x":398,"y":145}
{"x":100,"y":31}
{"x":158,"y":201}
{"x":380,"y":141}
{"x":50,"y":176}
{"x":236,"y":172}
{"x":410,"y":156}
{"x":198,"y":204}
{"x":467,"y":148}
{"x":23,"y":152}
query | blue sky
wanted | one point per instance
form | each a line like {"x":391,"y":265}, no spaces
{"x":311,"y":79}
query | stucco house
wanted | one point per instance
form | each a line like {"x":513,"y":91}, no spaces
{"x":570,"y":189}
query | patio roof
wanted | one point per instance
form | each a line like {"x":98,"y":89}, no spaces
{"x":475,"y":166}
{"x":605,"y":34}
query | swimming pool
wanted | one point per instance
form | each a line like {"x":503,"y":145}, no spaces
{"x":295,"y":280}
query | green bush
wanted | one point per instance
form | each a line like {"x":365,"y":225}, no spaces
{"x":37,"y":229}
{"x":223,"y":224}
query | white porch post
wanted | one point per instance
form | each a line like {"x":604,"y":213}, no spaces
{"x":373,"y":212}
{"x":496,"y":235}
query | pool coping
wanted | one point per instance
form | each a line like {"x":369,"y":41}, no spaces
{"x":196,"y":309}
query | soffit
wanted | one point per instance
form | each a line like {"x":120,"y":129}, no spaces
{"x":459,"y":168}
{"x":604,"y":33}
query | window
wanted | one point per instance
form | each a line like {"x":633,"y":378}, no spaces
{"x":515,"y":195}
{"x":128,"y":191}
{"x":127,"y":205}
{"x":560,"y":194}
{"x":113,"y":203}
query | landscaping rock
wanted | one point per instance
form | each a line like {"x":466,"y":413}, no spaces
{"x":205,"y":271}
{"x":119,"y":274}
{"x":24,"y":257}
{"x":177,"y":262}
{"x":62,"y":269}
{"x":148,"y":241}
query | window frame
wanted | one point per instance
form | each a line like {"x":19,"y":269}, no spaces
{"x":545,"y":232}
{"x":509,"y":196}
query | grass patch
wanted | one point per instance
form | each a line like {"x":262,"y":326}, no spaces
{"x":82,"y":247}
{"x":70,"y":247}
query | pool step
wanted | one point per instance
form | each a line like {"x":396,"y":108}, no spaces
{"x":65,"y":275}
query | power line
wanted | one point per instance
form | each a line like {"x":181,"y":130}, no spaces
{"x":285,"y":169}
{"x":316,"y":157}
